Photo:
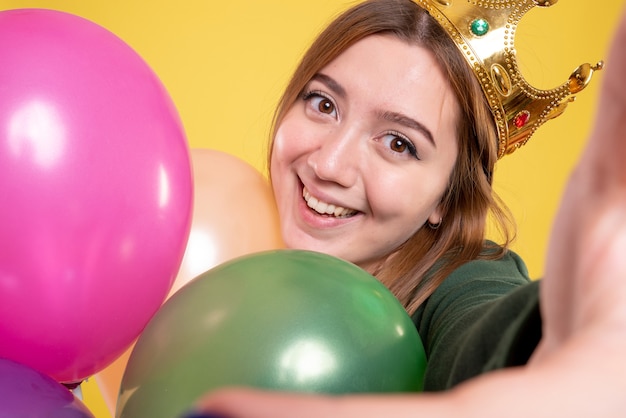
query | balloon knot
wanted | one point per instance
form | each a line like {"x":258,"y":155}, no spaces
{"x":72,"y":385}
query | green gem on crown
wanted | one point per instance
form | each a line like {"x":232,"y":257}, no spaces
{"x":479,"y":27}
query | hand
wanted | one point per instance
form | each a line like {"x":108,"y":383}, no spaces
{"x":579,"y":369}
{"x":586,"y":264}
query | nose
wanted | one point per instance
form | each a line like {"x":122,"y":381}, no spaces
{"x":336,"y":159}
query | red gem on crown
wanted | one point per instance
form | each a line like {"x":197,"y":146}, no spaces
{"x":521,"y":118}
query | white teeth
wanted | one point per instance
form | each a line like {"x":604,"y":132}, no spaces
{"x":326,"y":208}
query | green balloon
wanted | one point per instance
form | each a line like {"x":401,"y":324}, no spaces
{"x":287,"y":320}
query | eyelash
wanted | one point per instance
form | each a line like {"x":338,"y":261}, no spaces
{"x":411,"y":148}
{"x":308,"y":95}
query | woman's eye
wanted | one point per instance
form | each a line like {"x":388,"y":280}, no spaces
{"x":325,"y":106}
{"x":400,"y":144}
{"x":320,"y":103}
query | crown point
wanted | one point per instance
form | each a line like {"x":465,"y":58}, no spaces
{"x":479,"y":27}
{"x":581,"y":77}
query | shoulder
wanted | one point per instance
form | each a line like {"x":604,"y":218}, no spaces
{"x":486,"y":275}
{"x":474,"y":321}
{"x":470,"y":289}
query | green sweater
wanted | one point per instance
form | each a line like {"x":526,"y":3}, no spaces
{"x":484,"y":316}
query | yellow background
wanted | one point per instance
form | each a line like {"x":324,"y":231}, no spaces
{"x":225,"y":63}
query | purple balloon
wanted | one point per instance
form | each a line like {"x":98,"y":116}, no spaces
{"x":25,"y":392}
{"x":95,"y":192}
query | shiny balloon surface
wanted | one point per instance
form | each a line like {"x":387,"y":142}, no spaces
{"x":96,"y":191}
{"x":26,"y":393}
{"x":285,"y":319}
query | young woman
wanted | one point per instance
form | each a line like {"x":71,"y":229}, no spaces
{"x":383,"y":153}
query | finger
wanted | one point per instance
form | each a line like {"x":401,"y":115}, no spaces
{"x":595,"y":189}
{"x":606,"y":149}
{"x":248,"y":403}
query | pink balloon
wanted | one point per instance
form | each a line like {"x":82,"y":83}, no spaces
{"x":95,"y":192}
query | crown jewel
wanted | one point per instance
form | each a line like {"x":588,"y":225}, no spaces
{"x":484,"y":31}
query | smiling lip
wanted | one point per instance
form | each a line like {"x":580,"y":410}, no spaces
{"x":324,"y":208}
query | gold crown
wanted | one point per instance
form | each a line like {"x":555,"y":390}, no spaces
{"x":484,"y":31}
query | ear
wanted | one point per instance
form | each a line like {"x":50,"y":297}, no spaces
{"x":436,"y":216}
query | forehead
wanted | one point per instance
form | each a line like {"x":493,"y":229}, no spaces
{"x":390,"y":73}
{"x":390,"y":57}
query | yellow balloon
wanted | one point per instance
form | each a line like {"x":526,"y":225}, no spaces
{"x":234,"y":214}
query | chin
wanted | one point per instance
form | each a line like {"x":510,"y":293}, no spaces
{"x":306,"y":242}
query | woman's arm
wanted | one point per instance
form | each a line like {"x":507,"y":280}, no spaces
{"x":484,"y":316}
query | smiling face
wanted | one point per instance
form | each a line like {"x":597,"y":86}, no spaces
{"x":363,"y":158}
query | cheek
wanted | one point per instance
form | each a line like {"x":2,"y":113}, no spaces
{"x":289,"y":143}
{"x":408,"y":199}
{"x":277,"y":171}
{"x":279,"y":157}
{"x":287,"y":149}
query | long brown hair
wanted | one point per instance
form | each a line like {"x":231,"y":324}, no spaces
{"x":469,"y":198}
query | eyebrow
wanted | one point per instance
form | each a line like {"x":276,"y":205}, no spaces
{"x":330,"y":83}
{"x":396,"y":117}
{"x":409,"y":123}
